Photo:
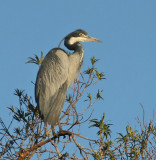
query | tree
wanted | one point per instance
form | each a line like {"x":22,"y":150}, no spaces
{"x":31,"y":137}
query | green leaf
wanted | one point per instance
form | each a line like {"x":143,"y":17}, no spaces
{"x":18,"y":92}
{"x":36,"y":60}
{"x":100,"y":75}
{"x":12,"y":109}
{"x":89,"y":96}
{"x":89,"y":71}
{"x":98,"y":96}
{"x":93,"y":60}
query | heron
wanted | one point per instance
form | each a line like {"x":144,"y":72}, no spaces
{"x":56,"y":73}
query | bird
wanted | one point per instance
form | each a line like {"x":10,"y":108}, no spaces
{"x":56,"y":73}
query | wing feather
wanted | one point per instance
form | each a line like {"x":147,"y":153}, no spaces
{"x":51,"y":85}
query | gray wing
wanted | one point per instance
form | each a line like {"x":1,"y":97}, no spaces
{"x":51,"y":85}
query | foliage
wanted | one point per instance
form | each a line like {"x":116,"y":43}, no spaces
{"x":36,"y":60}
{"x":28,"y":136}
{"x":133,"y":145}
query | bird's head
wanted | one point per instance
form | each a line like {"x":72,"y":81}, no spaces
{"x":78,"y":36}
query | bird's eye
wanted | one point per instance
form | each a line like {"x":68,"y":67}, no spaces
{"x":81,"y":34}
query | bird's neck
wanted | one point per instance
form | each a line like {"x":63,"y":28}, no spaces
{"x":78,"y":49}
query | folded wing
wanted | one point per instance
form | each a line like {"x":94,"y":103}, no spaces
{"x":51,"y":85}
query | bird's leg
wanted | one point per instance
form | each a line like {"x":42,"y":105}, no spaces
{"x":45,"y":128}
{"x":53,"y":131}
{"x":60,"y":127}
{"x":55,"y":136}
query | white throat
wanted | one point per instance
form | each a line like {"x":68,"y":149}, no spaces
{"x":76,"y":39}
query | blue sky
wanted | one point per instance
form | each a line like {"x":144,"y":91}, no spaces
{"x":127,"y":54}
